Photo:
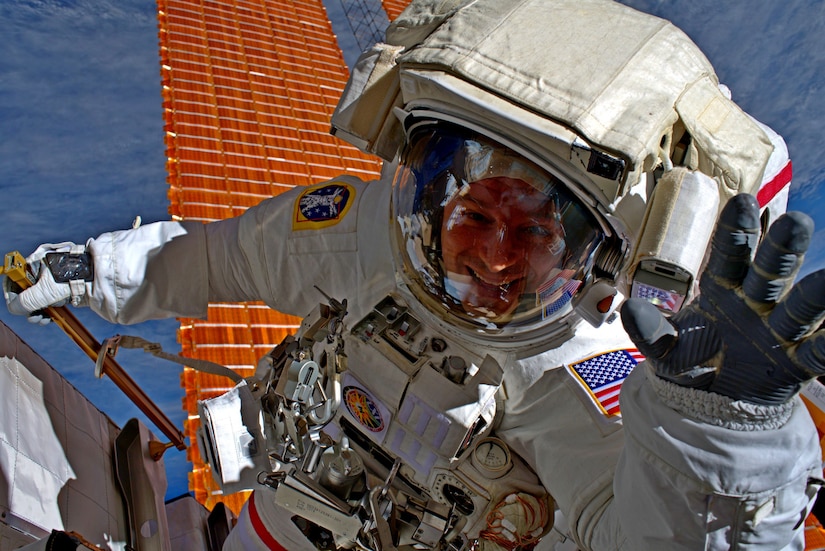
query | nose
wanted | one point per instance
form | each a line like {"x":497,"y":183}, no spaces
{"x":499,"y":250}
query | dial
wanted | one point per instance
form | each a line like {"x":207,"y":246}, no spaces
{"x":491,"y":456}
{"x":447,"y":488}
{"x":456,"y":496}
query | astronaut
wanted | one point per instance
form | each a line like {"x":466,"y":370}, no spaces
{"x":543,"y":162}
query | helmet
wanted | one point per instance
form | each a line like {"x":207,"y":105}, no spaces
{"x":589,"y":108}
{"x":487,"y":238}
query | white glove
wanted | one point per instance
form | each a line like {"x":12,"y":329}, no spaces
{"x":46,"y":291}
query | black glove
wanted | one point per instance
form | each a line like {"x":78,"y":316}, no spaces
{"x":744,"y":337}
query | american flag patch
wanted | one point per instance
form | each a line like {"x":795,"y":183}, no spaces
{"x":667,"y":300}
{"x":553,"y":295}
{"x":602,"y":376}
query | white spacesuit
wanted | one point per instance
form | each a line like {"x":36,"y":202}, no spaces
{"x":543,"y":161}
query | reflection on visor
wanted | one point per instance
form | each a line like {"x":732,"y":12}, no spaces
{"x":493,"y":238}
{"x":487,"y":161}
{"x":554,"y":295}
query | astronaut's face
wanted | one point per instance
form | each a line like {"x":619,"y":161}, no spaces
{"x":500,"y":237}
{"x":488,"y":239}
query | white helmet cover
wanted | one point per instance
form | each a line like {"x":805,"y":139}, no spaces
{"x":624,"y":82}
{"x":597,"y":94}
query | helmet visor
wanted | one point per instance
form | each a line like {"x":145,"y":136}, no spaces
{"x":487,"y":237}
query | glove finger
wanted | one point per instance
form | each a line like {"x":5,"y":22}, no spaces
{"x":779,"y":257}
{"x":39,"y":319}
{"x":10,"y":287}
{"x":677,"y":354}
{"x":735,"y":239}
{"x":811,"y":354}
{"x":14,"y":306}
{"x":11,"y":292}
{"x":648,"y":328}
{"x":801,"y":310}
{"x":46,"y":292}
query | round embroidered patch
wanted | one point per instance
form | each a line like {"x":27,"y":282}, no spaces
{"x":363,"y":409}
{"x":323,"y":206}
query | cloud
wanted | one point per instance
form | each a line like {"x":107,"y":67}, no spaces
{"x":81,"y":139}
{"x":771,"y":56}
{"x":82,"y":152}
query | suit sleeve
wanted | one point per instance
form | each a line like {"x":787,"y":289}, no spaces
{"x":701,"y":471}
{"x":155,"y":271}
{"x":681,"y":469}
{"x":269,"y":254}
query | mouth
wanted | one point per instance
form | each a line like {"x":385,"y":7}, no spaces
{"x":481,"y":296}
{"x":502,"y":285}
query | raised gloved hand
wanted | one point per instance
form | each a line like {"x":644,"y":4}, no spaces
{"x":751,"y":335}
{"x":72,"y":268}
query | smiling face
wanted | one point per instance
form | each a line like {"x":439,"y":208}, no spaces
{"x":488,"y":239}
{"x":500,"y":237}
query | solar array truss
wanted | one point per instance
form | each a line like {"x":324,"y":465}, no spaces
{"x":248,"y":90}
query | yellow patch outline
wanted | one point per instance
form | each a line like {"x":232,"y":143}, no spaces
{"x":586,"y":387}
{"x":300,"y":222}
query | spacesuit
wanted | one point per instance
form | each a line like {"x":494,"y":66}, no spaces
{"x":576,"y":154}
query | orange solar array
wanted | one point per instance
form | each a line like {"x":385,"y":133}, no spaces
{"x":394,"y":7}
{"x":248,"y":90}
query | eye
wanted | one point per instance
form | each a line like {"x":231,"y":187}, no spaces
{"x":462,"y":217}
{"x":476,"y":216}
{"x":469,"y":212}
{"x":536,"y":231}
{"x":539,"y":230}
